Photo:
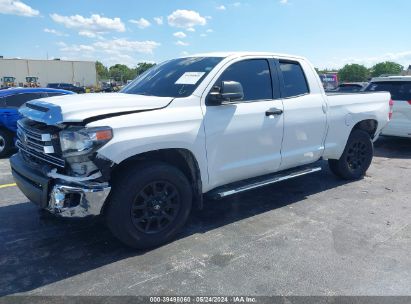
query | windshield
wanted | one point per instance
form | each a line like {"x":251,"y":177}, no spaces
{"x":174,"y":78}
{"x":400,"y":90}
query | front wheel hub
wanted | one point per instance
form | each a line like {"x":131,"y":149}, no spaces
{"x":155,"y":207}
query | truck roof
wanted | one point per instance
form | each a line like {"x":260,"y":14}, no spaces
{"x":240,"y":54}
{"x":391,"y":78}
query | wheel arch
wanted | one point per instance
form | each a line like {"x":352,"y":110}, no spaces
{"x":181,"y":158}
{"x":368,"y":125}
{"x":337,"y":139}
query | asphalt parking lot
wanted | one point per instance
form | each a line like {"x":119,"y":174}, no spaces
{"x":315,"y":235}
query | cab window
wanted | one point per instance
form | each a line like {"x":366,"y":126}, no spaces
{"x":254,"y":75}
{"x":295,"y":83}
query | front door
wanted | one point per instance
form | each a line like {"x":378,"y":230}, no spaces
{"x":243,"y":139}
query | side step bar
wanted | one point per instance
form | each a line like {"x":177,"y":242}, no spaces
{"x":257,"y":182}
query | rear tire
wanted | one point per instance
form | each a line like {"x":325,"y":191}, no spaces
{"x":148,"y":205}
{"x":6,"y":143}
{"x":356,"y":158}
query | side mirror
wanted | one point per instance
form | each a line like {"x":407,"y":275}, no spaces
{"x":230,"y":91}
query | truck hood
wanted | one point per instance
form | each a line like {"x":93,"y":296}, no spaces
{"x":89,"y":107}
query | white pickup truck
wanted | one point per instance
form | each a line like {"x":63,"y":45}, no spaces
{"x":209,"y":125}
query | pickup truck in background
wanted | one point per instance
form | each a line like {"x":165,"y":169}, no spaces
{"x":10,"y":101}
{"x":400,"y":89}
{"x":209,"y":125}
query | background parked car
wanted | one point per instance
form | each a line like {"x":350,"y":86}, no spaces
{"x":350,"y":87}
{"x":400,"y":89}
{"x":10,"y":101}
{"x":67,"y":86}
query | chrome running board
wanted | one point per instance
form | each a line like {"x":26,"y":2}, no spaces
{"x":258,"y":182}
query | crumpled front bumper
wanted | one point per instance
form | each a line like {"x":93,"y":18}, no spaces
{"x":57,"y":196}
{"x":76,"y":200}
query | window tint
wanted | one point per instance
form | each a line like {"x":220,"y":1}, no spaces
{"x":400,"y":90}
{"x":294,"y":79}
{"x":16,"y":101}
{"x":254,"y":76}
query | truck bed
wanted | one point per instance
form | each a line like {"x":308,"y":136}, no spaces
{"x":346,"y":109}
{"x":352,"y":93}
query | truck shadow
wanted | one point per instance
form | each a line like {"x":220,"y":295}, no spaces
{"x":38,"y":250}
{"x":393,"y":147}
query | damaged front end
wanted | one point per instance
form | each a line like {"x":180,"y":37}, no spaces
{"x":58,"y":167}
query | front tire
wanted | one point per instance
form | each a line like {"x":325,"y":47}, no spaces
{"x":356,"y":158}
{"x":6,"y":143}
{"x":149,"y":205}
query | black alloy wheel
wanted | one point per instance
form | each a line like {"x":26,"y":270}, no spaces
{"x":356,"y":155}
{"x":356,"y":158}
{"x":156,"y":206}
{"x":148,"y":204}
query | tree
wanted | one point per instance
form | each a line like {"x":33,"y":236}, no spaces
{"x":353,"y":73}
{"x":102,"y":71}
{"x":120,"y":72}
{"x":142,"y":67}
{"x":387,"y":67}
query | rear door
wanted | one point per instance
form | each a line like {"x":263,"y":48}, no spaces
{"x":400,"y":123}
{"x":305,"y":118}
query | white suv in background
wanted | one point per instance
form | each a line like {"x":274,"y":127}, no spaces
{"x":400,"y":89}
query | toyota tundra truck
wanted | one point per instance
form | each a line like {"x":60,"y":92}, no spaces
{"x":203,"y":126}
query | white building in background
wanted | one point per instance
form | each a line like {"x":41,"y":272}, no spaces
{"x":81,"y":73}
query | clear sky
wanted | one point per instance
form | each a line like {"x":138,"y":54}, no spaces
{"x":328,"y":32}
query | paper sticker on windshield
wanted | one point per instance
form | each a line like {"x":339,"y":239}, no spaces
{"x":190,"y":78}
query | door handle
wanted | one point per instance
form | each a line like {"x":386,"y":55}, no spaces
{"x":273,"y":111}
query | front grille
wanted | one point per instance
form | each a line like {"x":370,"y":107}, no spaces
{"x":36,"y":140}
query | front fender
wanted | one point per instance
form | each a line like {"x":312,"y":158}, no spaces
{"x":174,"y":127}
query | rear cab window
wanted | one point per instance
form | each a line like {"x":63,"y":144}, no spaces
{"x":294,"y":80}
{"x":400,"y":90}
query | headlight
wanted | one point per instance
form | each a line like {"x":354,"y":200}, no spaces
{"x":83,"y":141}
